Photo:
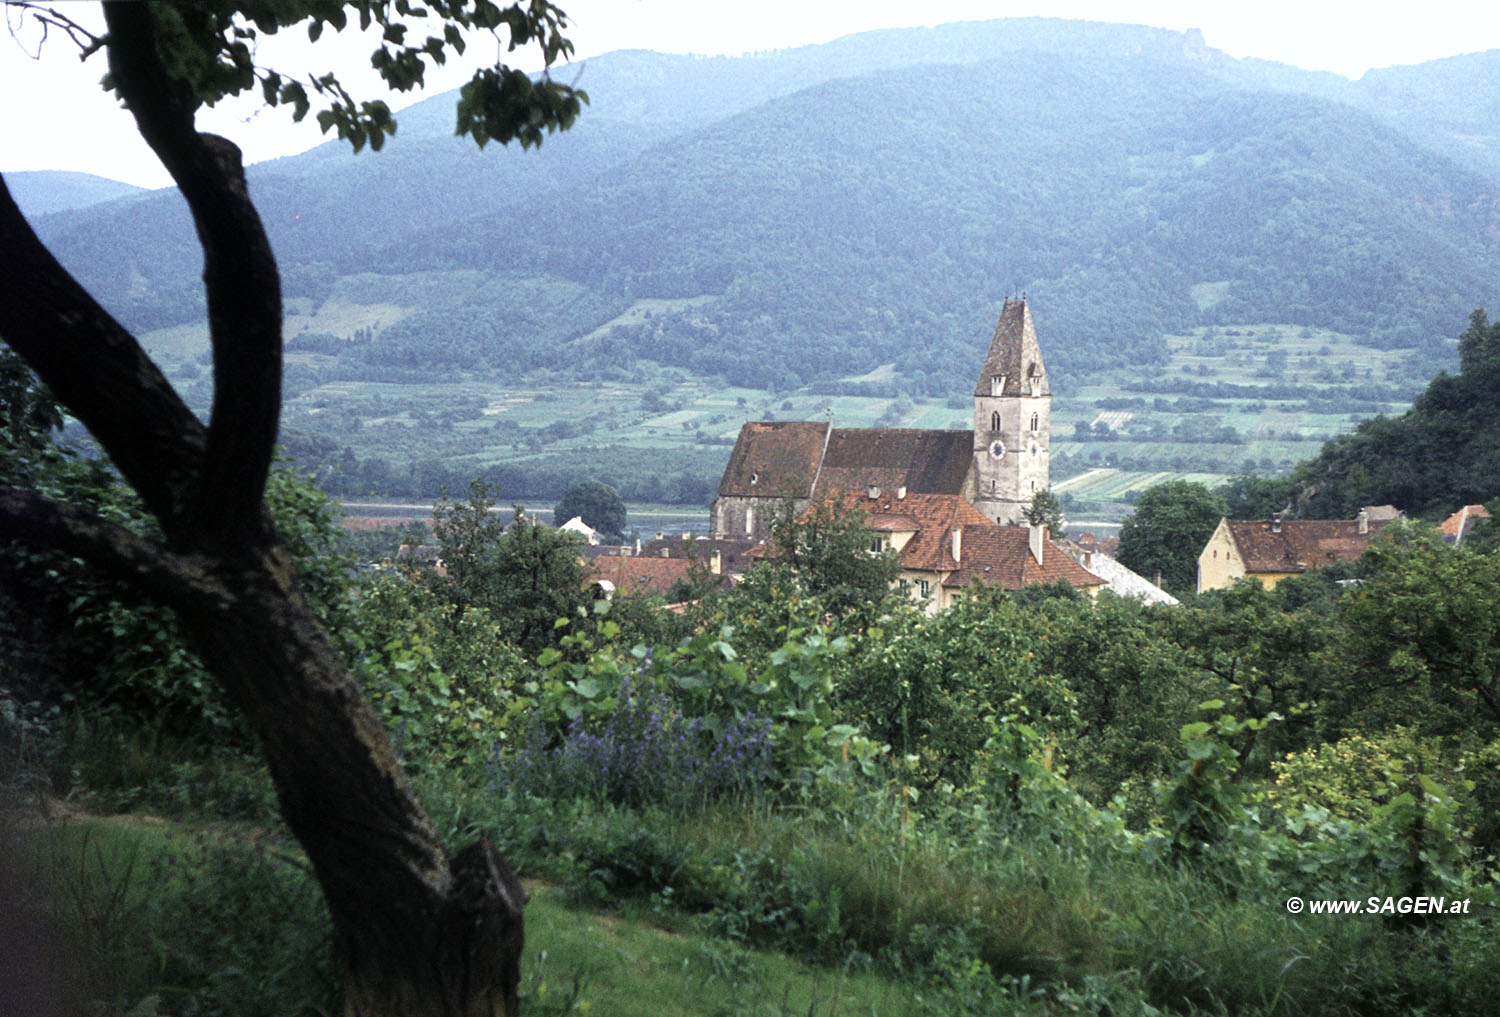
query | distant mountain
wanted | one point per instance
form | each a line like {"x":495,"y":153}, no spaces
{"x":39,"y":192}
{"x":870,"y":201}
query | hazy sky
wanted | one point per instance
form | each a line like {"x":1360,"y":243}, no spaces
{"x":53,"y":115}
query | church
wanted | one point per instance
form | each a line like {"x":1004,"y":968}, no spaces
{"x":997,"y":467}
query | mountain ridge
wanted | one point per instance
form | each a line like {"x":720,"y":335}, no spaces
{"x":852,"y":220}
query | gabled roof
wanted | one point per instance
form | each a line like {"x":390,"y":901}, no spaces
{"x":1014,"y":353}
{"x":1458,"y":526}
{"x":699,"y":548}
{"x":633,"y":575}
{"x":809,"y":459}
{"x":932,"y":516}
{"x":1001,"y":556}
{"x":994,"y":555}
{"x":583,"y":529}
{"x":774,"y":458}
{"x":1119,"y":579}
{"x":1296,"y":545}
{"x":922,"y":461}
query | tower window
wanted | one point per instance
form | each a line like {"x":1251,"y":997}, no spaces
{"x":1035,"y":421}
{"x":995,"y":421}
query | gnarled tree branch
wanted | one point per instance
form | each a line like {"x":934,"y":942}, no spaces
{"x":122,"y":398}
{"x":176,"y":580}
{"x":241,"y":282}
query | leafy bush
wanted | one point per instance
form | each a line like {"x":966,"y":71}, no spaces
{"x":442,"y":676}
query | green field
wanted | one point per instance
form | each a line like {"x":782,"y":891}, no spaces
{"x":1259,"y":397}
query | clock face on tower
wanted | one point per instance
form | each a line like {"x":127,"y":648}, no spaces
{"x":997,"y":449}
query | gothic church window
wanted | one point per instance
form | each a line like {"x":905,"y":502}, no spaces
{"x":995,"y":421}
{"x":1035,"y":420}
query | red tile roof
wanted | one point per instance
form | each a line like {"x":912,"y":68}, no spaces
{"x":1001,"y":556}
{"x":637,"y":574}
{"x":1296,"y":545}
{"x":994,"y":555}
{"x":1457,"y":526}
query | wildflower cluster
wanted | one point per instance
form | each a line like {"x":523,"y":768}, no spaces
{"x":646,"y":751}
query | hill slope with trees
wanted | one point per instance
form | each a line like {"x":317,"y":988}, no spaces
{"x":865,"y":202}
{"x":1442,"y":453}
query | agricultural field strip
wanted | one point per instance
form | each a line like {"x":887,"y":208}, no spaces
{"x":486,"y":421}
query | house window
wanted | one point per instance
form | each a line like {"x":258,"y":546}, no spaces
{"x":877,"y":544}
{"x":924,"y":586}
{"x":995,"y":421}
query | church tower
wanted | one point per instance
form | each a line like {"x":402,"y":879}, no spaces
{"x":1012,"y":419}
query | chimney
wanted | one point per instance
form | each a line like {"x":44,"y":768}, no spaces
{"x":660,"y":535}
{"x":901,"y":492}
{"x":1363,"y":519}
{"x":716,"y":562}
{"x":666,"y":552}
{"x":1036,"y":537}
{"x":687,"y":535}
{"x":1275,"y":522}
{"x":958,"y":536}
{"x":873,"y":492}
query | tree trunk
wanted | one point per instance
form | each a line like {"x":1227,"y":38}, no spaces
{"x":418,"y":931}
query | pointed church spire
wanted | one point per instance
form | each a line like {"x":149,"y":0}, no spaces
{"x":1012,"y":419}
{"x":1013,"y":366}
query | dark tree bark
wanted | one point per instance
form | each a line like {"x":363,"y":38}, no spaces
{"x":419,"y":931}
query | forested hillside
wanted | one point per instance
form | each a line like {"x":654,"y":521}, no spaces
{"x":867,"y":202}
{"x":1441,"y":454}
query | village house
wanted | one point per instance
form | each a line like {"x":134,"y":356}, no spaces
{"x":1270,"y":550}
